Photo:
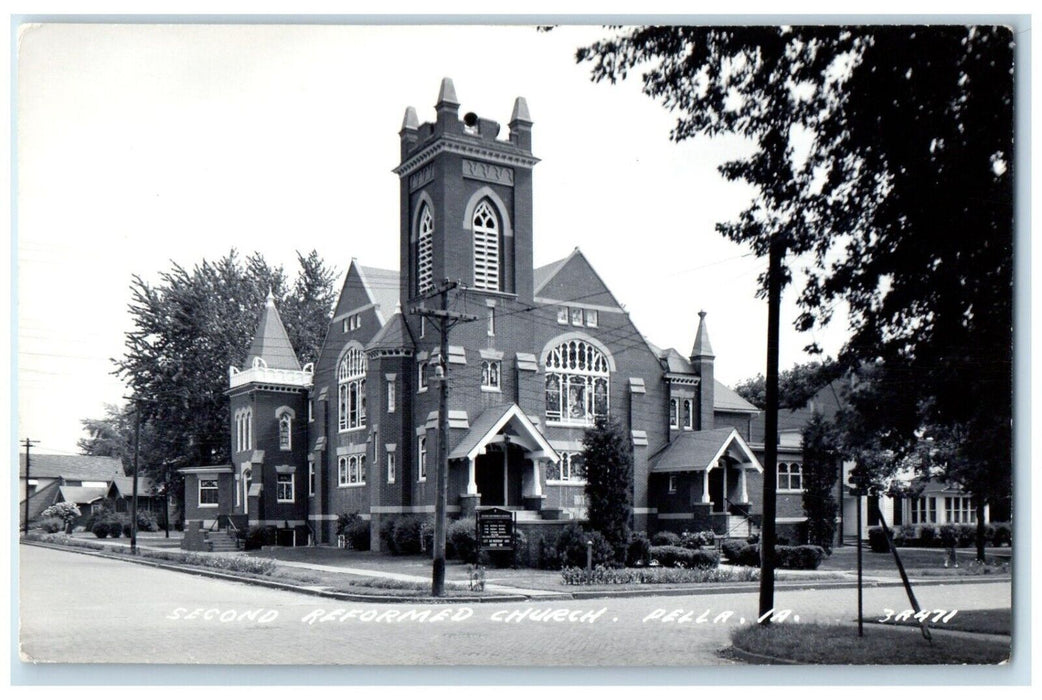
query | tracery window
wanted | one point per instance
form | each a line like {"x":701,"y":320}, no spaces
{"x":790,"y":477}
{"x":425,"y":252}
{"x":571,"y":468}
{"x":351,"y":380}
{"x":490,"y":375}
{"x":577,"y":383}
{"x":486,"y":247}
{"x":285,"y":431}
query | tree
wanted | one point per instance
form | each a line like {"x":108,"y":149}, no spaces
{"x":820,"y":471}
{"x":796,"y":385}
{"x":608,"y":461}
{"x":188,"y":330}
{"x":883,"y":157}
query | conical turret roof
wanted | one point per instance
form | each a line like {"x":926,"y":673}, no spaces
{"x":270,"y":341}
{"x":702,"y":346}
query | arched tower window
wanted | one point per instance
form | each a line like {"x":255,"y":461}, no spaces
{"x":285,"y":418}
{"x":351,"y":389}
{"x":425,"y":252}
{"x":486,"y":247}
{"x":578,"y":380}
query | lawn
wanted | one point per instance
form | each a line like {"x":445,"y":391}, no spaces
{"x":881,"y":645}
{"x":917,"y":561}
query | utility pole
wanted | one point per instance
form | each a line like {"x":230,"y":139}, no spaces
{"x":133,"y":499}
{"x":28,"y":443}
{"x":768,"y":533}
{"x":445,"y":320}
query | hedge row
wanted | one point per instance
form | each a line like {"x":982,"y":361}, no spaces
{"x":574,"y":576}
{"x":684,"y":558}
{"x":949,"y":535}
{"x":804,"y":556}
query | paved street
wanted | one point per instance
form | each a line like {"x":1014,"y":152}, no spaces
{"x":78,"y":608}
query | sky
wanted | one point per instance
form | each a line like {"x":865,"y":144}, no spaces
{"x":143,"y":145}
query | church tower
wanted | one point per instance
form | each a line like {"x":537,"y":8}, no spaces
{"x":702,"y":360}
{"x":466,"y":202}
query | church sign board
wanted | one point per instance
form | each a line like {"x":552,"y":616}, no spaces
{"x":495,"y":529}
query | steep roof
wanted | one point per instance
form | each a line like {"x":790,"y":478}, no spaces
{"x":699,"y":451}
{"x":270,"y":341}
{"x":542,"y":275}
{"x":82,"y":494}
{"x":702,"y":346}
{"x":393,"y":334}
{"x":383,"y":287}
{"x":72,"y":467}
{"x":124,"y":486}
{"x":724,"y":399}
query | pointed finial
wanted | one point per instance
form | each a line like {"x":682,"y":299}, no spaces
{"x":398,"y":307}
{"x":410,"y":121}
{"x":447,"y":93}
{"x":701,"y":316}
{"x":520,"y":113}
{"x":271,"y":295}
{"x":702,"y":346}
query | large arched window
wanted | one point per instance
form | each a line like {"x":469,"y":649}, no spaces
{"x":243,"y":429}
{"x":425,"y":252}
{"x":486,"y":247}
{"x":351,"y":382}
{"x":577,"y":383}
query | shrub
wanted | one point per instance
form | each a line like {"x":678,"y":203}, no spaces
{"x":749,"y":555}
{"x":731,"y":549}
{"x":260,"y":536}
{"x":239,"y":564}
{"x":520,"y":558}
{"x":685,"y":558}
{"x":697,"y":540}
{"x":753,"y":539}
{"x":387,"y":535}
{"x":905,"y":535}
{"x":357,"y":534}
{"x":967,"y":535}
{"x":665,"y":538}
{"x":806,"y":556}
{"x":115,"y":528}
{"x":546,"y":551}
{"x":65,"y":511}
{"x":927,"y":536}
{"x":146,"y":521}
{"x":51,"y":525}
{"x":1003,"y":535}
{"x":412,"y":535}
{"x":571,"y":547}
{"x":600,"y":575}
{"x":877,"y":540}
{"x":948,"y":535}
{"x":461,"y":541}
{"x":345,"y":520}
{"x":100,"y":530}
{"x":638,"y":553}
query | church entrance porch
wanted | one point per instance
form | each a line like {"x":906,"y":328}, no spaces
{"x":500,"y":458}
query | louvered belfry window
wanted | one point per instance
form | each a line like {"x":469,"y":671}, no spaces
{"x":486,"y":247}
{"x":425,"y":252}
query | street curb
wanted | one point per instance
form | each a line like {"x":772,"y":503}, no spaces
{"x":814,"y":584}
{"x":277,"y":585}
{"x":762,"y":659}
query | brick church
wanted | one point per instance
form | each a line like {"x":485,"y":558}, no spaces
{"x":546,"y":351}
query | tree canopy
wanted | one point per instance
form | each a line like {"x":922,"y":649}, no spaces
{"x":796,"y":385}
{"x":189,"y":329}
{"x":883,"y":166}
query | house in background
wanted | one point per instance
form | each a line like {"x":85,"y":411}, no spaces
{"x":80,"y":479}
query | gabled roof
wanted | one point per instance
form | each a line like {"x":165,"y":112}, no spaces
{"x":725,"y":399}
{"x":542,"y":275}
{"x":383,"y":287}
{"x":81,"y":494}
{"x":392,"y":334}
{"x":270,"y":341}
{"x":71,"y":467}
{"x":675,"y":362}
{"x":580,"y":275}
{"x":701,"y":450}
{"x":495,"y":420}
{"x":124,"y":486}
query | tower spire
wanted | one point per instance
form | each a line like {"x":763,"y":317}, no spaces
{"x":702,"y":346}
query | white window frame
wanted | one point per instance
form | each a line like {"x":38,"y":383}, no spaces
{"x":577,"y":316}
{"x":562,"y":315}
{"x":787,"y":471}
{"x":392,"y":467}
{"x":923,"y":510}
{"x":579,"y":368}
{"x":960,"y":510}
{"x":485,"y":229}
{"x":280,"y":482}
{"x":425,"y":251}
{"x":421,"y":377}
{"x":215,"y":489}
{"x":311,"y":477}
{"x":421,"y":458}
{"x":391,"y":397}
{"x":491,"y":375}
{"x":285,"y":419}
{"x":491,"y":322}
{"x":671,"y":484}
{"x":674,"y":414}
{"x":688,"y":414}
{"x":591,"y":318}
{"x":566,"y":471}
{"x":351,"y":399}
